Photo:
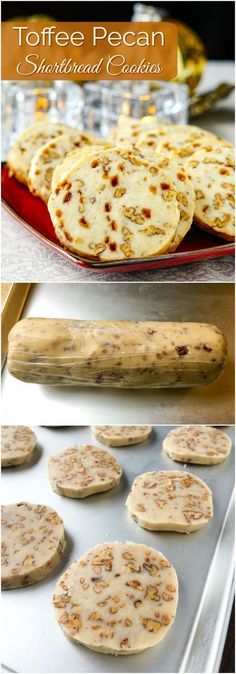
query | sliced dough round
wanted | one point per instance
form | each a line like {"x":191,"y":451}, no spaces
{"x":182,"y":141}
{"x":170,"y":501}
{"x":17,"y":445}
{"x":118,"y":598}
{"x":212,"y":175}
{"x":117,"y":204}
{"x":72,"y":159}
{"x":132,"y":133}
{"x":197,"y":444}
{"x":82,"y":470}
{"x":185,"y":196}
{"x":33,"y":540}
{"x":28,"y":142}
{"x":49,"y":156}
{"x":121,"y":436}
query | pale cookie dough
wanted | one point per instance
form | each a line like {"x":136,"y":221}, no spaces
{"x":82,"y":470}
{"x":197,"y":444}
{"x":170,"y":501}
{"x":28,"y":142}
{"x":33,"y":541}
{"x":17,"y":445}
{"x":116,"y":205}
{"x":118,"y":598}
{"x":213,"y":178}
{"x":49,"y":156}
{"x":121,"y":436}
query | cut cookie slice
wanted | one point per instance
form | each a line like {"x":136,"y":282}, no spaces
{"x":212,"y":175}
{"x":82,"y":470}
{"x":119,"y":598}
{"x":29,"y":141}
{"x":197,"y":444}
{"x":185,"y":196}
{"x":132,"y":133}
{"x":170,"y":501}
{"x":17,"y":445}
{"x":73,"y":159}
{"x":117,"y":204}
{"x":181,"y":142}
{"x":50,"y":155}
{"x":33,"y":541}
{"x":121,"y":436}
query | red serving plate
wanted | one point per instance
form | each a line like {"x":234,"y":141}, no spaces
{"x":32,"y":212}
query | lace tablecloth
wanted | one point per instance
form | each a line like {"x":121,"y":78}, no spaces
{"x":26,"y":259}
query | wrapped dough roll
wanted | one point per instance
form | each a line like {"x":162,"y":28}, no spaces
{"x":122,"y":354}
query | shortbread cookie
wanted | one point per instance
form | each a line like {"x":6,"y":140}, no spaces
{"x":49,"y":156}
{"x":73,"y":159}
{"x":33,"y":541}
{"x":121,"y":436}
{"x":82,"y":470}
{"x":116,"y":205}
{"x":182,"y":141}
{"x":118,"y":598}
{"x":18,"y":443}
{"x":197,"y":444}
{"x":212,"y":175}
{"x":28,"y":142}
{"x":170,"y":501}
{"x":132,"y":133}
{"x":185,"y":196}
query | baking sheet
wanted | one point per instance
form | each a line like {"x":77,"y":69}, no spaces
{"x":210,"y":303}
{"x":32,"y":641}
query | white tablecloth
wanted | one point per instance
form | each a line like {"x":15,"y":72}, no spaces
{"x":26,"y":259}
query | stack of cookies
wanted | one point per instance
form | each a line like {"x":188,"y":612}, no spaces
{"x":132,"y":196}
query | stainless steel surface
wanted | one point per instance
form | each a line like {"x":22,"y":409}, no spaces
{"x":211,"y":303}
{"x":33,"y":642}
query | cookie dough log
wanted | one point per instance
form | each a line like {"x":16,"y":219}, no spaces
{"x":118,"y":598}
{"x":33,"y":541}
{"x":17,"y":445}
{"x":123,"y":354}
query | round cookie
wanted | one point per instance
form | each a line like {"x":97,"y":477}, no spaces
{"x":197,"y":444}
{"x":132,"y":133}
{"x":17,"y":445}
{"x":28,"y":142}
{"x":82,"y":470}
{"x":212,"y":175}
{"x":33,"y":541}
{"x":121,"y":436}
{"x":170,"y":501}
{"x":117,"y":204}
{"x":72,"y":159}
{"x":50,"y":155}
{"x":118,"y":598}
{"x":182,"y":141}
{"x":185,"y":196}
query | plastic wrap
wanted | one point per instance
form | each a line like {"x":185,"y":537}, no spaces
{"x":122,"y":354}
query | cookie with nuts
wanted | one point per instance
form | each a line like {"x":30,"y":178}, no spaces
{"x":73,"y":159}
{"x":33,"y":541}
{"x":117,"y":204}
{"x":170,"y":501}
{"x":28,"y":142}
{"x":49,"y":156}
{"x":181,"y":141}
{"x":212,"y":175}
{"x":197,"y":444}
{"x":121,"y":436}
{"x":17,"y":445}
{"x":82,"y":470}
{"x":118,"y":598}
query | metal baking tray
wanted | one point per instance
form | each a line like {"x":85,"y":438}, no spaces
{"x":214,"y":403}
{"x":32,"y":641}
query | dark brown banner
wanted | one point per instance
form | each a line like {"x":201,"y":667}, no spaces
{"x":88,"y":51}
